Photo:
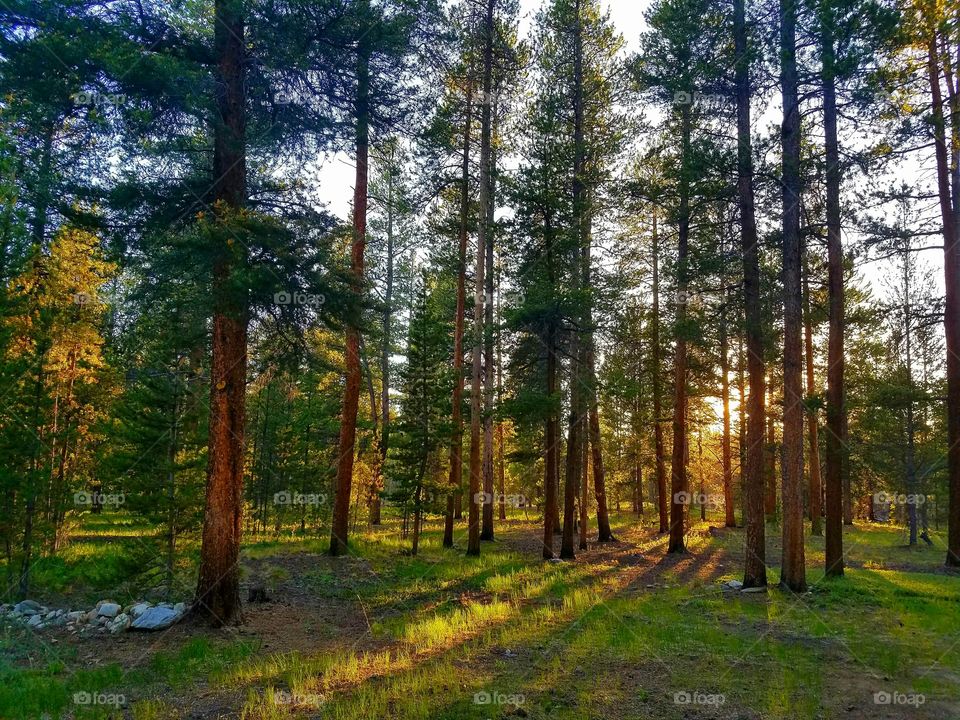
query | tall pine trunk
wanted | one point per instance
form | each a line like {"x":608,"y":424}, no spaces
{"x":489,"y":366}
{"x":816,"y":488}
{"x":351,"y":392}
{"x":678,"y":465}
{"x":948,"y":187}
{"x":385,"y":350}
{"x":552,"y":429}
{"x":218,"y":586}
{"x":656,"y":382}
{"x":792,"y":569}
{"x":755,"y":568}
{"x":730,"y":518}
{"x":770,"y":470}
{"x":835,"y":462}
{"x":456,"y":416}
{"x":604,"y":534}
{"x":584,"y":493}
{"x":476,"y":468}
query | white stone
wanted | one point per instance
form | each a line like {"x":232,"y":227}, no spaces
{"x":156,"y":618}
{"x":108,"y":610}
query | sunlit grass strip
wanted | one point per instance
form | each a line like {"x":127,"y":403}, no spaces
{"x":441,"y":629}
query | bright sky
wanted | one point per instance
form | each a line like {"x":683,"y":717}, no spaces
{"x":336,"y":175}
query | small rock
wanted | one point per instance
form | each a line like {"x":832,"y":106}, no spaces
{"x":75,"y":615}
{"x":108,"y":610}
{"x":156,"y":618}
{"x":119,"y":623}
{"x":35,"y":621}
{"x":26,"y":607}
{"x":733,"y":584}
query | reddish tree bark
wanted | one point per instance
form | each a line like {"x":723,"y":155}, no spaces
{"x":351,"y":391}
{"x":456,"y":416}
{"x":218,"y":585}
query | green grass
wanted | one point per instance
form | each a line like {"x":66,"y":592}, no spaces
{"x":611,"y":636}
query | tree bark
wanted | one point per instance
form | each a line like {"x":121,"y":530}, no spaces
{"x":351,"y":391}
{"x":836,"y":410}
{"x":476,"y":469}
{"x":501,"y":462}
{"x":385,"y":351}
{"x":816,"y":489}
{"x":584,"y":493}
{"x":730,"y":518}
{"x":910,"y":454}
{"x":552,"y":429}
{"x":656,"y":382}
{"x":792,"y":570}
{"x":456,"y":416}
{"x":678,"y":465}
{"x":770,"y":471}
{"x":489,"y":368}
{"x":218,"y":585}
{"x":947,"y":189}
{"x":604,"y":534}
{"x":755,"y":570}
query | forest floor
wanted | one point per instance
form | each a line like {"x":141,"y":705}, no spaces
{"x":624,"y":631}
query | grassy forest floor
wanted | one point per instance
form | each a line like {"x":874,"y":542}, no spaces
{"x":621,"y":632}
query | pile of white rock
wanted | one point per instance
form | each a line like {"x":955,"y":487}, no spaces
{"x":107,"y":616}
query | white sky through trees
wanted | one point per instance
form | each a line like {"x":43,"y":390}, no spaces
{"x":337,"y":173}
